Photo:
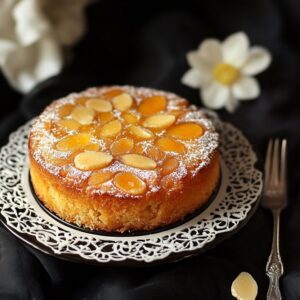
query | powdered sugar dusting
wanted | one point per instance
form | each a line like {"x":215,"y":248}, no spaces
{"x":60,"y":163}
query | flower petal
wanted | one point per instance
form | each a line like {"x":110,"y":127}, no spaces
{"x":210,"y":50}
{"x":27,"y":66}
{"x":258,"y":60}
{"x":196,"y":61}
{"x":31,"y":24}
{"x":231,"y":104}
{"x":235,"y":49}
{"x":246,"y":88}
{"x":215,"y":95}
{"x":195,"y":79}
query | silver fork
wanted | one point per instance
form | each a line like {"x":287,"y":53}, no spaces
{"x":275,"y":199}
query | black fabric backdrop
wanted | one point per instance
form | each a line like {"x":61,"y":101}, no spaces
{"x":144,"y":43}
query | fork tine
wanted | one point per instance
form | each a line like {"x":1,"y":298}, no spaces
{"x":275,"y":164}
{"x":282,"y":178}
{"x":268,"y":162}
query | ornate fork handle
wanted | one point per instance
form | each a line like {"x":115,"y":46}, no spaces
{"x":274,"y":267}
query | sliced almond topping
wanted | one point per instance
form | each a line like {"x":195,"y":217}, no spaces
{"x":185,"y":131}
{"x":92,"y":160}
{"x":168,"y":144}
{"x":69,"y":124}
{"x":65,"y":110}
{"x":138,"y":161}
{"x":105,"y":117}
{"x":99,"y":105}
{"x":169,"y":165}
{"x":83,"y":115}
{"x":129,"y":183}
{"x":152,"y":105}
{"x":140,"y":132}
{"x":74,"y":142}
{"x":96,"y":179}
{"x":129,"y":118}
{"x":159,"y":121}
{"x":121,"y":146}
{"x":111,"y":129}
{"x":122,"y":102}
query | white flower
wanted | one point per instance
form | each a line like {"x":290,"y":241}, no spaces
{"x":32,"y":36}
{"x":223,"y":70}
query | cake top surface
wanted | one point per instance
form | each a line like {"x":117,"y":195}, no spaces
{"x":122,"y":140}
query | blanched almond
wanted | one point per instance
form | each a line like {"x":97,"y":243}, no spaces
{"x":69,"y":124}
{"x":99,"y":105}
{"x":140,"y":132}
{"x":111,"y":129}
{"x":138,"y":161}
{"x":92,"y":160}
{"x":186,"y":131}
{"x":159,"y":121}
{"x":74,"y":142}
{"x":122,"y":102}
{"x":83,"y":115}
{"x":129,"y":183}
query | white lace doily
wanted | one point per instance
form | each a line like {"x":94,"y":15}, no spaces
{"x":241,"y":187}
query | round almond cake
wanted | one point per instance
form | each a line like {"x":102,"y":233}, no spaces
{"x":123,"y":158}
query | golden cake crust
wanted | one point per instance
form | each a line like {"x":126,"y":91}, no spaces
{"x":165,"y":197}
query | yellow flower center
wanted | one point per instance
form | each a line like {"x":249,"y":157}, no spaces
{"x":225,"y":73}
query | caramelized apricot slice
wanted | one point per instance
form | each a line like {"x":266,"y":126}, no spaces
{"x":121,"y":146}
{"x":169,"y":165}
{"x":152,"y":105}
{"x":168,"y":144}
{"x":74,"y":142}
{"x":92,"y":147}
{"x":140,"y":133}
{"x":96,"y":179}
{"x":129,"y":118}
{"x":185,"y":131}
{"x":154,"y":153}
{"x":111,"y":129}
{"x":99,"y":105}
{"x":138,"y":161}
{"x":81,"y":100}
{"x":122,"y":102}
{"x":105,"y":117}
{"x":86,"y":128}
{"x":65,"y":110}
{"x":69,"y":124}
{"x":92,"y":160}
{"x":83,"y":115}
{"x":112,"y":93}
{"x":129,"y":183}
{"x":159,"y":121}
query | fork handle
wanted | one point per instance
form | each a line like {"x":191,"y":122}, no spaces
{"x":274,"y":267}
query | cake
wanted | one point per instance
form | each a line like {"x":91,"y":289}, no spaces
{"x":123,"y":158}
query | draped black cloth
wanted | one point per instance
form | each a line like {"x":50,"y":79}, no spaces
{"x":144,"y":43}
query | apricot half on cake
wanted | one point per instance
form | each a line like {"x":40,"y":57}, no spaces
{"x":123,"y":158}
